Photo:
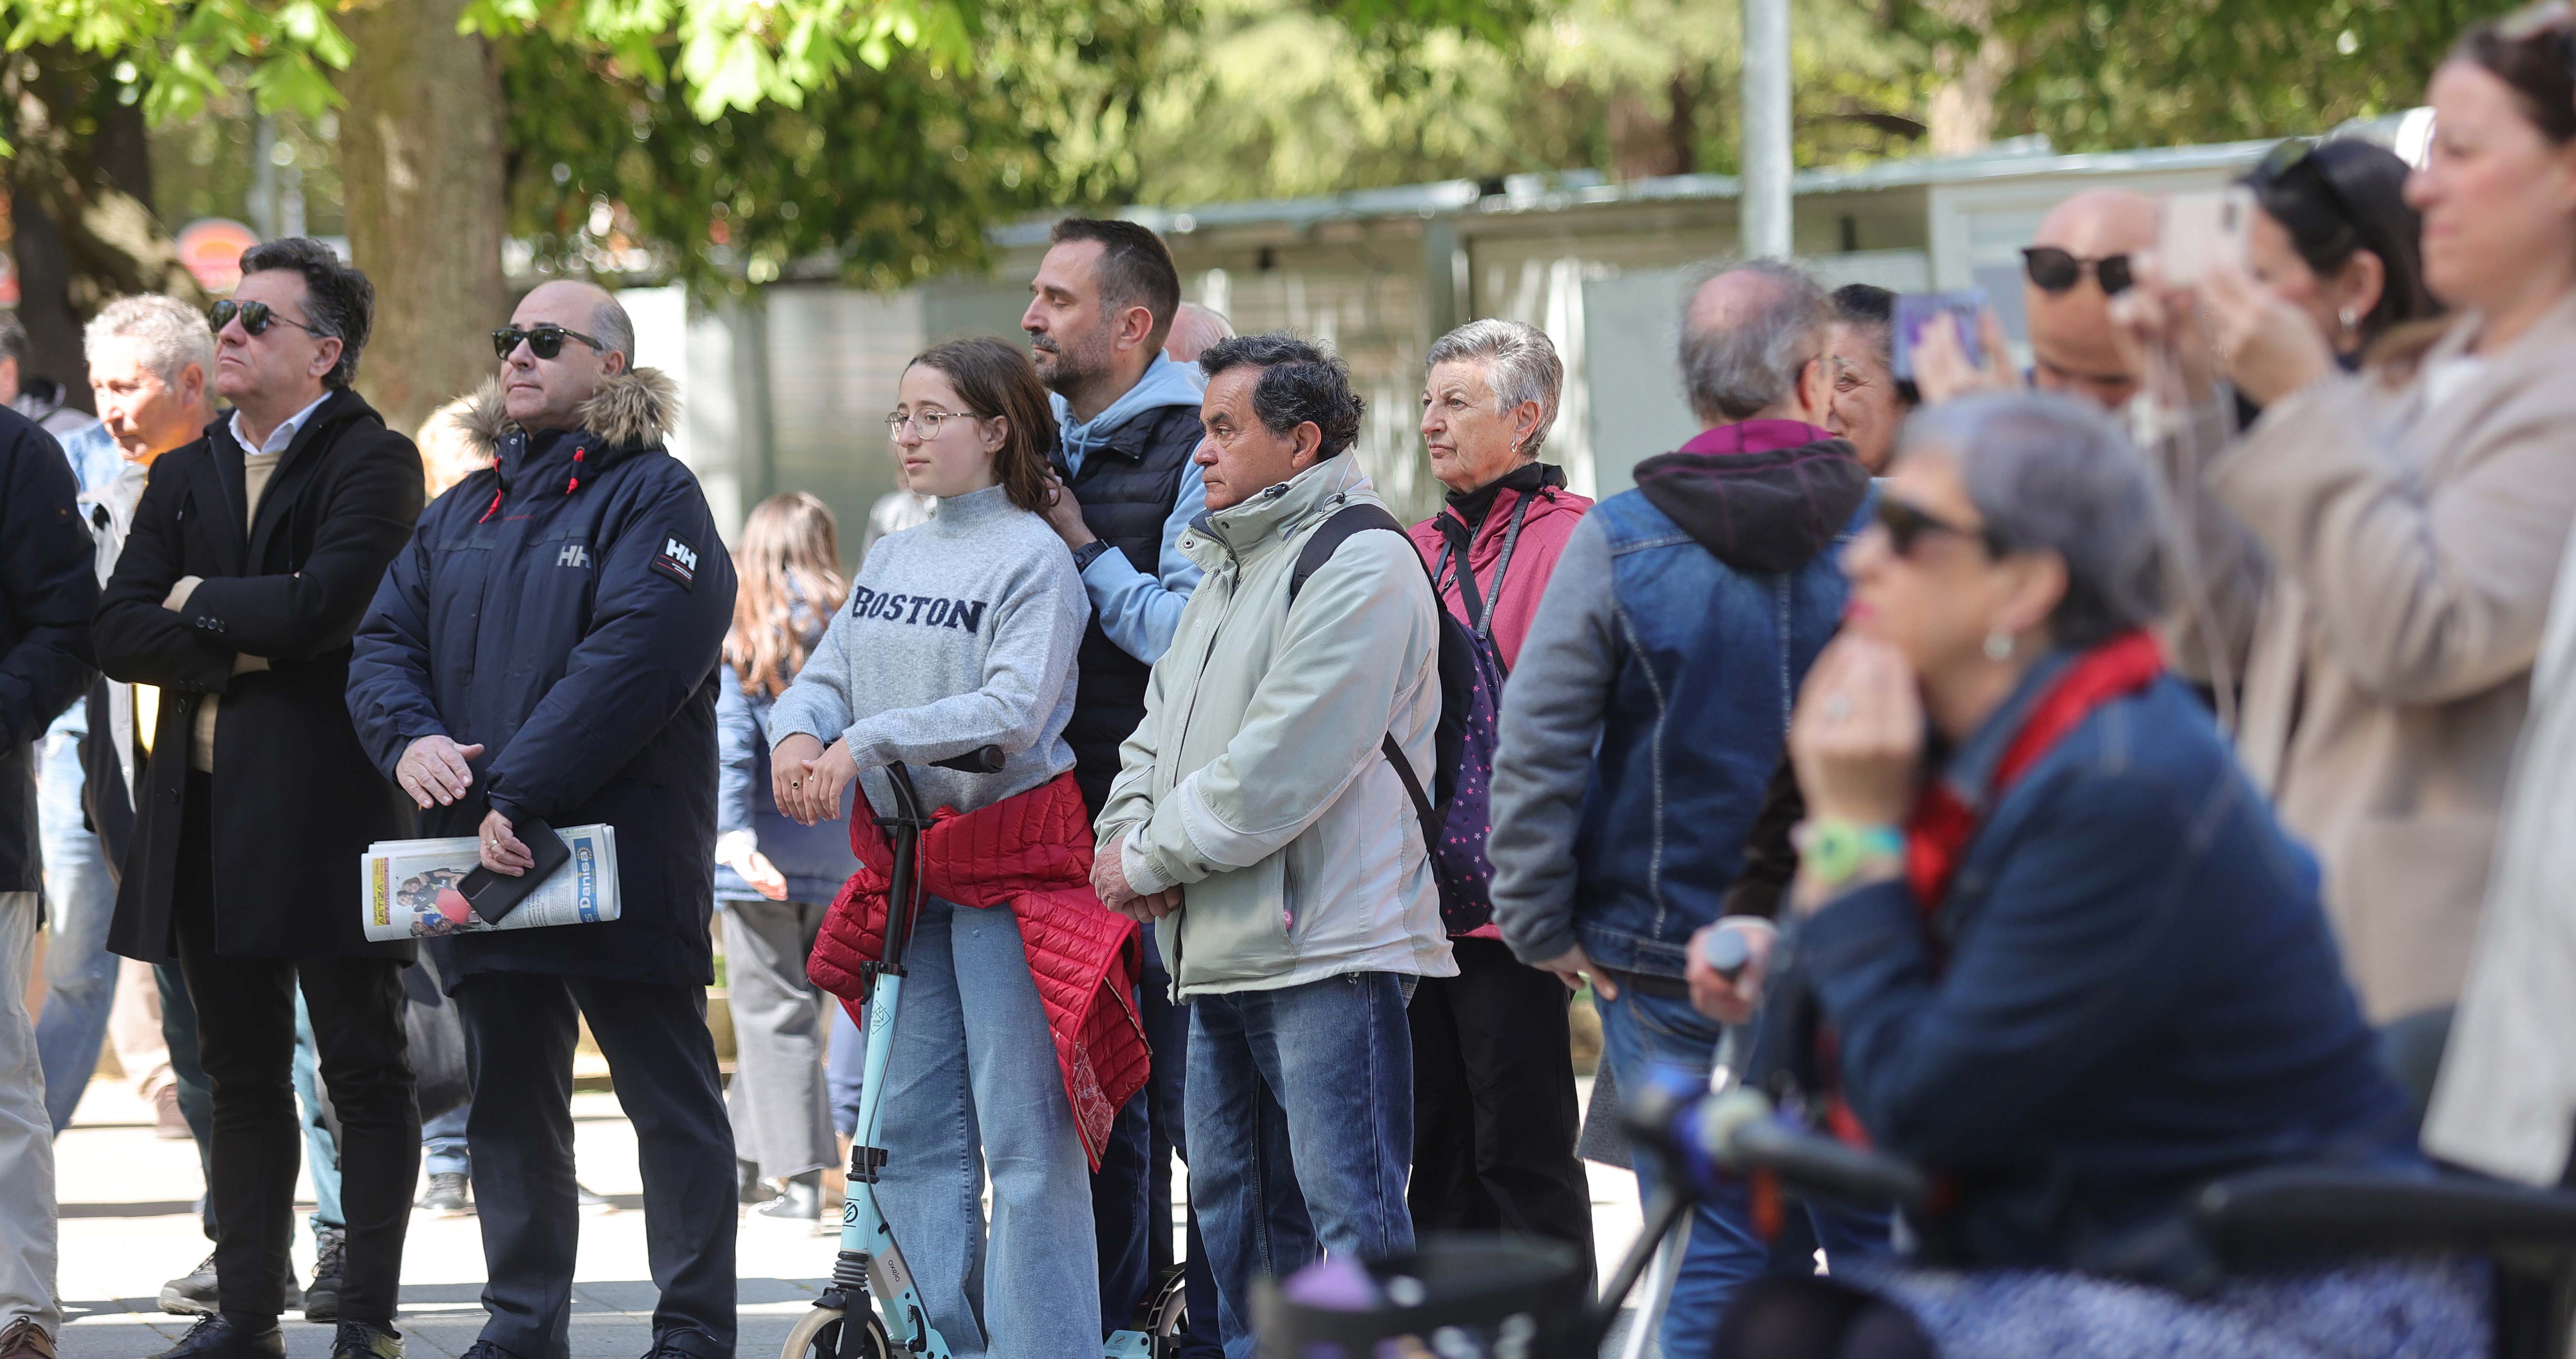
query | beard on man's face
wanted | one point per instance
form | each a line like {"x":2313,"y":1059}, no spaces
{"x":1068,"y":367}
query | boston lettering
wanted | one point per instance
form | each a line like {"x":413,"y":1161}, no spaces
{"x":966,"y":615}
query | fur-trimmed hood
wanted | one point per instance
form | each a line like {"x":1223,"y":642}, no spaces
{"x":635,"y":409}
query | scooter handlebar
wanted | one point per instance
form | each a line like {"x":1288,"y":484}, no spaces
{"x":982,"y":760}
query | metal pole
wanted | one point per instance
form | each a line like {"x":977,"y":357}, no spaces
{"x":1764,"y":207}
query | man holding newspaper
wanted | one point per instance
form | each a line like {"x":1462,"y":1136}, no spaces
{"x":544,"y":653}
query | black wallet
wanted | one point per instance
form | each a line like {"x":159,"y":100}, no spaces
{"x":494,"y":895}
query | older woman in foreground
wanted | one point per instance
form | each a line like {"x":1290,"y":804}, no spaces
{"x":1494,"y":1118}
{"x":2073,"y":965}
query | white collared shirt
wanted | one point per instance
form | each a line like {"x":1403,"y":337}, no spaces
{"x":281,"y":436}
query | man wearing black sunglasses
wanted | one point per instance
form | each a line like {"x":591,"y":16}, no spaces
{"x":2077,"y":261}
{"x":544,"y":653}
{"x":252,"y":554}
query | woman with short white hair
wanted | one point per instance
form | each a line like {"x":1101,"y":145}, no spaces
{"x":1494,"y":1119}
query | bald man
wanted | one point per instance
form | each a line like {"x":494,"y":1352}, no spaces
{"x":544,"y":654}
{"x":2071,"y":346}
{"x":1194,"y":330}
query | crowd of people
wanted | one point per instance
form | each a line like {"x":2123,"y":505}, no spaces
{"x":2097,"y":759}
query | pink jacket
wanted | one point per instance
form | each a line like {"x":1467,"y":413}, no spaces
{"x":1550,"y":522}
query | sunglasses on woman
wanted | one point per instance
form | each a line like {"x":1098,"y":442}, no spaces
{"x":256,"y":317}
{"x":2056,"y":270}
{"x":1906,"y":523}
{"x":544,"y":341}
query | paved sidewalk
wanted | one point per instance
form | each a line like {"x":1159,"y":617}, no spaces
{"x":128,"y":1223}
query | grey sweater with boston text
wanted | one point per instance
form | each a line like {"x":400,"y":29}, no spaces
{"x":958,"y":634}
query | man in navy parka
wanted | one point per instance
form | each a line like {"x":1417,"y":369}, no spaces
{"x":546,"y":648}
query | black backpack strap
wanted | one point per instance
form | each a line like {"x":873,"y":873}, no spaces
{"x":1319,"y":549}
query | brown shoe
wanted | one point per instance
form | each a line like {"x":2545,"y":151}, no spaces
{"x":168,"y":1123}
{"x":24,"y":1339}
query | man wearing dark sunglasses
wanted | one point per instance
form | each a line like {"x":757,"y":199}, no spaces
{"x":544,"y":654}
{"x":2077,"y":261}
{"x":251,"y":556}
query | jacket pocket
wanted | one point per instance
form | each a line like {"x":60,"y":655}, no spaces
{"x":1234,"y":926}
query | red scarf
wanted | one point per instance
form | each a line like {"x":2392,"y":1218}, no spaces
{"x":1938,"y":831}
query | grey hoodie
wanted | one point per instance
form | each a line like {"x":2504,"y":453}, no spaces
{"x":958,"y":634}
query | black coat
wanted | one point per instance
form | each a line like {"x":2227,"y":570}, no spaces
{"x":564,"y":610}
{"x":295,"y":799}
{"x":47,"y":588}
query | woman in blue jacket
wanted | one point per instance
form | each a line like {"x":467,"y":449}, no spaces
{"x":775,"y":878}
{"x":2071,"y":964}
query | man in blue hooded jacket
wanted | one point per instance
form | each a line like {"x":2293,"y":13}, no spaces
{"x":546,"y":648}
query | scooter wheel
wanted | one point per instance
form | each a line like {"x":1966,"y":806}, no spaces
{"x":817,"y":1335}
{"x":1167,"y":1316}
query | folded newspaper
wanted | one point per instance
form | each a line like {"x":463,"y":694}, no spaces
{"x":410,"y":892}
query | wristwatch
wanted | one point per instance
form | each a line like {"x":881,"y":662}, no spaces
{"x":1832,"y":850}
{"x":1088,"y":553}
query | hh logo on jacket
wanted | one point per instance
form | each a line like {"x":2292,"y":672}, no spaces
{"x":679,"y":561}
{"x":917,"y":610}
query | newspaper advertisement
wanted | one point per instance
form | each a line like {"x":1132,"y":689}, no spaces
{"x":409,"y":888}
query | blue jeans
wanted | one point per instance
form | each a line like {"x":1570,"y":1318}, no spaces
{"x":845,"y":1062}
{"x":973,"y":1086}
{"x":321,"y":1149}
{"x":1300,"y":1125}
{"x":1649,"y":1039}
{"x":80,"y":974}
{"x":442,"y":1144}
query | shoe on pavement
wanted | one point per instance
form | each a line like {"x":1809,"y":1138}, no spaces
{"x":800,"y":1199}
{"x":590,"y":1199}
{"x":24,"y":1339}
{"x":193,"y":1294}
{"x":449,"y":1195}
{"x":168,"y":1123}
{"x":749,"y":1188}
{"x":485,"y":1349}
{"x":680,"y":1343}
{"x":322,"y":1300}
{"x":358,"y":1340}
{"x":216,"y":1337}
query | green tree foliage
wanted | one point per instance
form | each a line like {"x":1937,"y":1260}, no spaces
{"x":1261,"y":101}
{"x":2093,"y":75}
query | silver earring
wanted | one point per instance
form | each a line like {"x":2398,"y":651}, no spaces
{"x":2351,"y":320}
{"x":1999,"y":646}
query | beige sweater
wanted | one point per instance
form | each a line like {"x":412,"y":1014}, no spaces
{"x":2409,"y":549}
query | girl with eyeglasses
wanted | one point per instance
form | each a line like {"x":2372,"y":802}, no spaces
{"x":1018,"y":1039}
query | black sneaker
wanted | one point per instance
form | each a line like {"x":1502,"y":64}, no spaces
{"x":191,"y":1294}
{"x":679,"y":1343}
{"x":485,"y":1349}
{"x":217,"y":1337}
{"x":449,"y":1195}
{"x":749,"y":1188}
{"x":358,"y":1340}
{"x":800,"y":1199}
{"x":322,"y":1300}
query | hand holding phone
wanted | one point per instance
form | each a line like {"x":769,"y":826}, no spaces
{"x":1915,"y":313}
{"x":2203,"y":231}
{"x":494,"y":895}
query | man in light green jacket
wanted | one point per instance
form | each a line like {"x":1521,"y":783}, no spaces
{"x":1257,"y":821}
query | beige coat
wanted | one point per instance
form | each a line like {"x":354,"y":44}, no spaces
{"x":2412,"y":545}
{"x":2506,"y":1103}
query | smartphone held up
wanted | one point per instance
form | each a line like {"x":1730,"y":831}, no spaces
{"x":1916,"y":313}
{"x":2203,"y":231}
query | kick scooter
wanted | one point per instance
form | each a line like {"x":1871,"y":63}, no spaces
{"x":871,"y":1310}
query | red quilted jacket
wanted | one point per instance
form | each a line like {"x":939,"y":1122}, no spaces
{"x":1031,"y":853}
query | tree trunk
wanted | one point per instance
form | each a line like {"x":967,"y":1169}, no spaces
{"x":422,"y":179}
{"x":1646,"y":140}
{"x":1962,"y":115}
{"x":80,"y":207}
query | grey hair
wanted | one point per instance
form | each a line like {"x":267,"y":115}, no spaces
{"x":1520,"y":365}
{"x":169,"y":333}
{"x":2049,"y":473}
{"x":614,"y":328}
{"x":1752,"y":364}
{"x":13,"y":338}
